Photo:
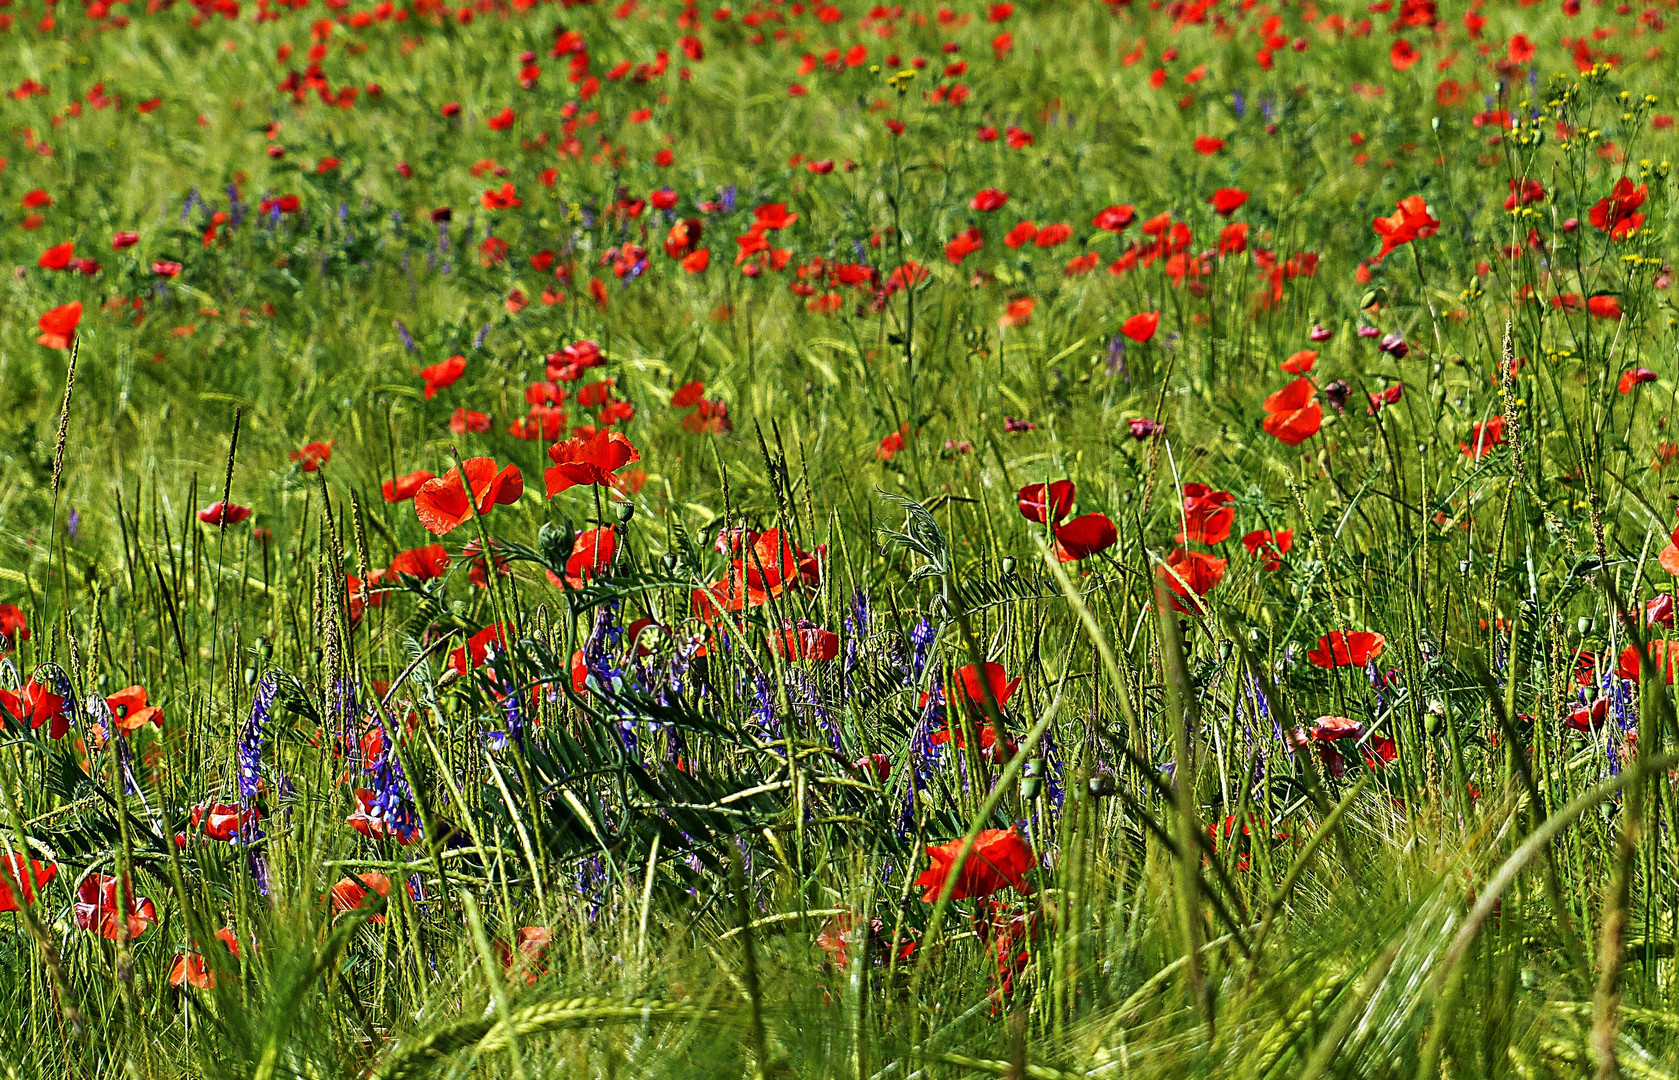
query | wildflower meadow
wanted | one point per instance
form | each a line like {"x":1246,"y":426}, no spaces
{"x":1045,"y":539}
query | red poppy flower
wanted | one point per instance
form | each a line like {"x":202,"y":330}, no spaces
{"x":34,"y":705}
{"x":1664,"y":657}
{"x":404,"y":488}
{"x":1634,"y":377}
{"x":1269,"y":549}
{"x":221,"y":821}
{"x":999,"y":858}
{"x":1141,"y":327}
{"x":442,"y":504}
{"x":1411,"y":220}
{"x":130,"y":711}
{"x":1207,"y":515}
{"x":688,"y":395}
{"x":1617,"y":214}
{"x":988,"y":200}
{"x":1301,"y":362}
{"x":1191,"y":574}
{"x":1604,"y":307}
{"x":424,"y":563}
{"x":1293,"y":414}
{"x":975,"y":681}
{"x":96,"y":907}
{"x":465,"y":420}
{"x":352,"y":893}
{"x":218,"y":514}
{"x":29,"y":881}
{"x":1051,"y":235}
{"x":14,"y":627}
{"x":591,"y":555}
{"x":370,"y":820}
{"x":58,"y":257}
{"x":1020,"y":235}
{"x":1208,"y":145}
{"x":191,"y":969}
{"x":1347,"y":648}
{"x":588,"y":461}
{"x":1084,"y":536}
{"x":1402,"y":55}
{"x":1483,"y":437}
{"x":803,"y":641}
{"x":1040,"y":504}
{"x":36,"y":199}
{"x":1226,"y":200}
{"x":441,"y":375}
{"x":58,"y":326}
{"x":477,"y":648}
{"x":122,"y":240}
{"x":313,"y":455}
{"x":1114,"y":218}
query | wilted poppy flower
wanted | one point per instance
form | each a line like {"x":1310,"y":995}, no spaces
{"x":1483,"y":437}
{"x":1347,"y":648}
{"x":218,"y":514}
{"x":404,"y":488}
{"x":1659,"y":611}
{"x":581,"y":462}
{"x":29,"y":875}
{"x":130,"y":711}
{"x":1207,"y":515}
{"x":1410,"y":221}
{"x":442,"y":504}
{"x":96,"y":908}
{"x":1040,"y":504}
{"x":122,"y":240}
{"x":1142,"y":427}
{"x":999,"y":858}
{"x":191,"y":969}
{"x":1141,"y":327}
{"x":58,"y":326}
{"x":466,"y":420}
{"x":441,"y":375}
{"x":313,"y":455}
{"x":34,"y":705}
{"x":1292,"y":414}
{"x":1084,"y":536}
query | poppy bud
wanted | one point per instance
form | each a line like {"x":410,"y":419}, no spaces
{"x":1584,"y":625}
{"x":1102,"y":785}
{"x":1008,"y":564}
{"x":669,"y":562}
{"x":626,"y":511}
{"x":448,"y":677}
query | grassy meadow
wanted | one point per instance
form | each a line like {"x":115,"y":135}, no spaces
{"x":1045,"y":539}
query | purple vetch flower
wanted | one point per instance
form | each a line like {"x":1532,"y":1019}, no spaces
{"x":483,"y":332}
{"x":921,"y":639}
{"x":1239,"y":103}
{"x":1116,"y":358}
{"x":407,"y":338}
{"x":73,"y":524}
{"x":726,"y":200}
{"x":253,"y":737}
